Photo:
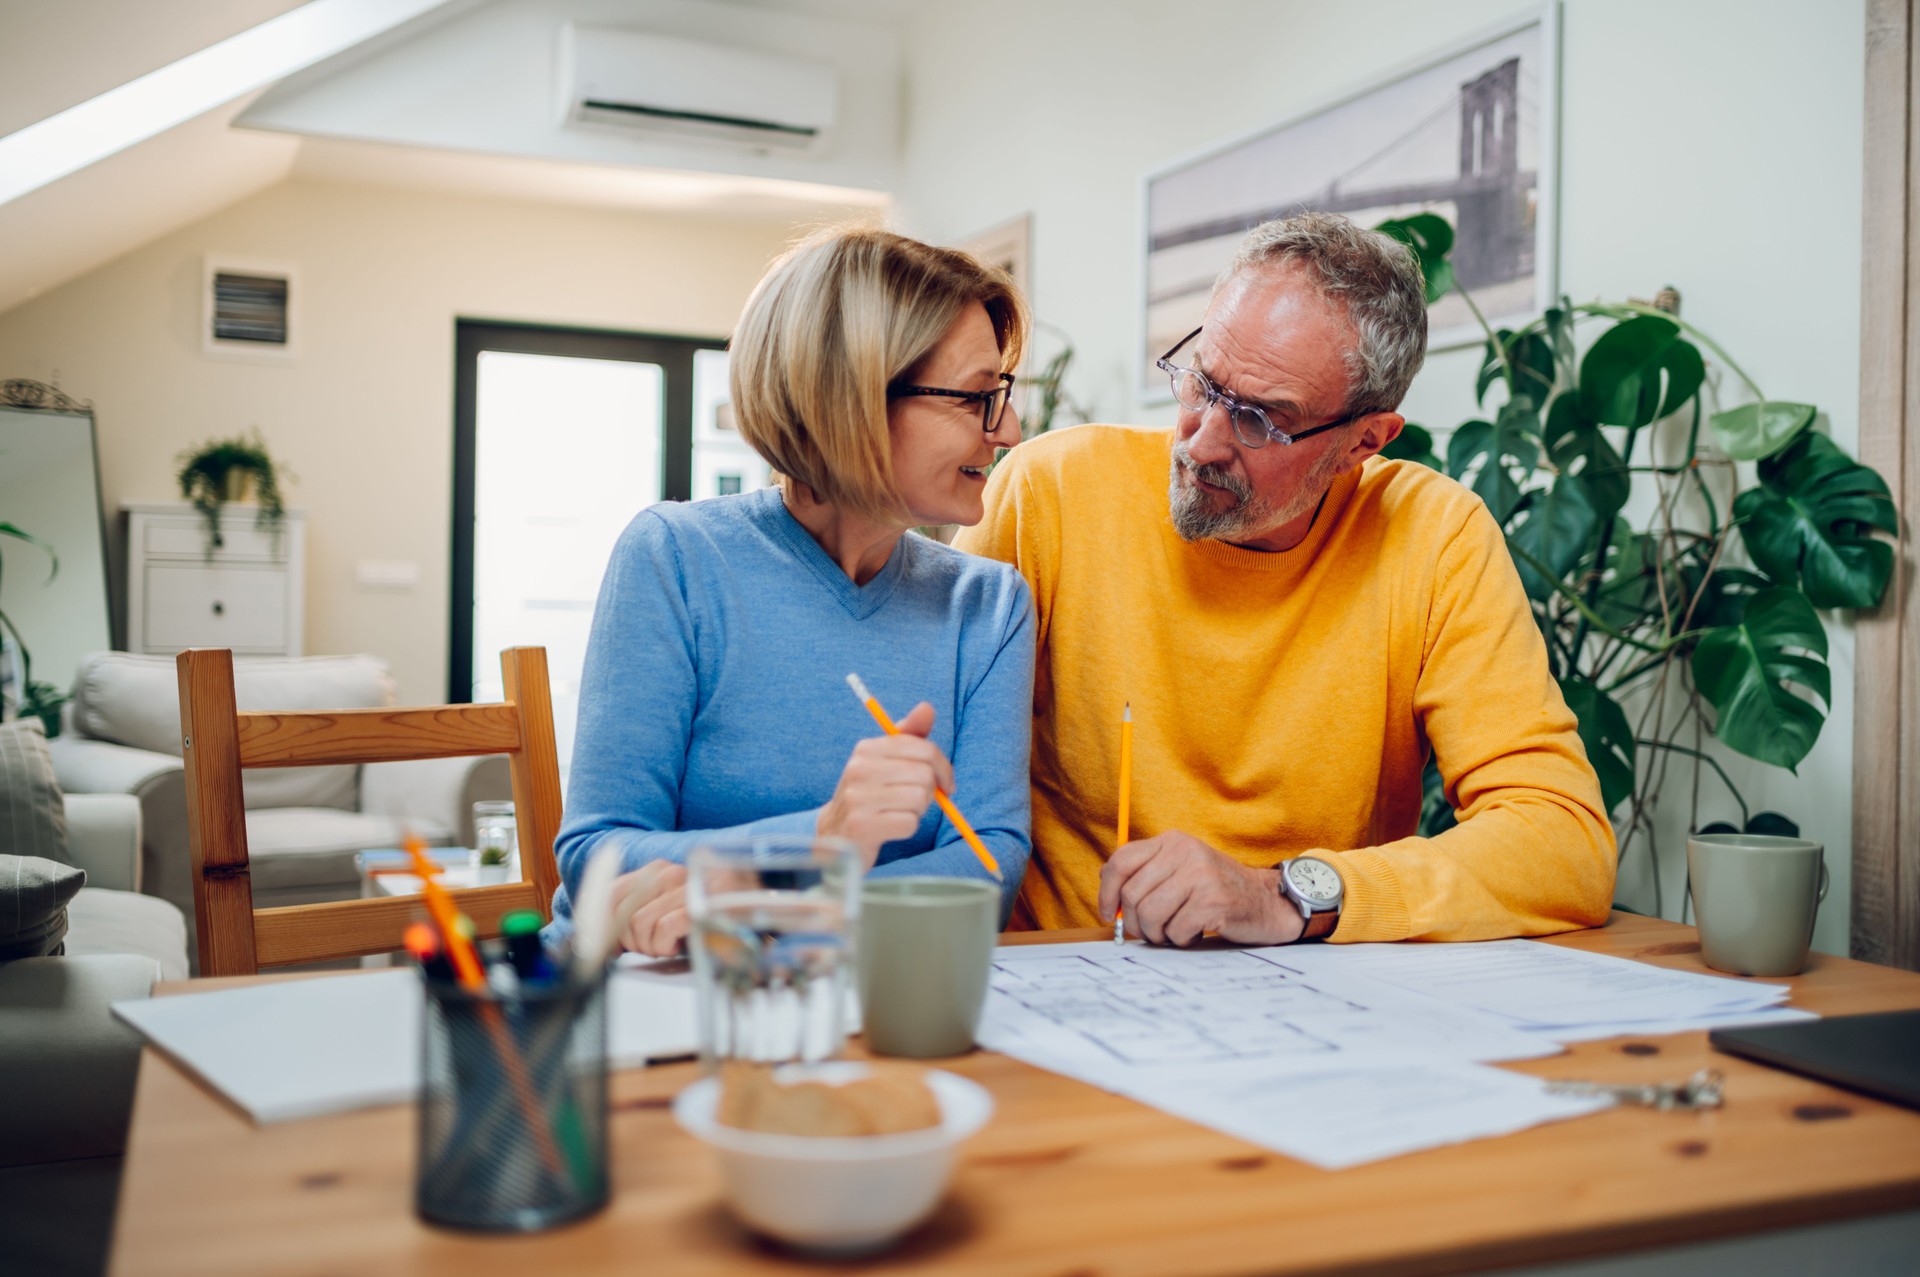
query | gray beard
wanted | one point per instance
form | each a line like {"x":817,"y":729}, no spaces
{"x":1249,"y":516}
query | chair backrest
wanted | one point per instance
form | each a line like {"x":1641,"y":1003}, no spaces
{"x":217,"y":741}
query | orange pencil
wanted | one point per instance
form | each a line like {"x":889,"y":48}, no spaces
{"x":1126,"y":804}
{"x":946,"y":804}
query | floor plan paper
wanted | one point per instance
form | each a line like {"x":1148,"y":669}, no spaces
{"x":301,"y":1048}
{"x":1549,"y":987}
{"x":1114,"y":1014}
{"x":1335,"y":1068}
{"x":1344,"y":1117}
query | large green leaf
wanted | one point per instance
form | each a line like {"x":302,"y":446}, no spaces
{"x":1502,"y":448}
{"x":1608,"y":736}
{"x":1555,"y":529}
{"x":1579,"y":448}
{"x":1532,"y":357}
{"x":1640,"y":370}
{"x":1431,"y":238}
{"x":1810,"y":523}
{"x":1755,"y":430}
{"x":1747,"y":671}
{"x":1436,"y":813}
{"x":1413,"y":443}
{"x":20,"y":534}
{"x":1628,"y":589}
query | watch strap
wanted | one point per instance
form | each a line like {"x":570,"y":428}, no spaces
{"x":1320,"y":924}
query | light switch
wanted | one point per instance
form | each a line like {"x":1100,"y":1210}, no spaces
{"x":387,"y":575}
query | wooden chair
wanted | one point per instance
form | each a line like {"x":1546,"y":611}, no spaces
{"x":217,"y":741}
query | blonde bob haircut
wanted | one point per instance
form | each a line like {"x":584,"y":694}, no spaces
{"x":839,"y":318}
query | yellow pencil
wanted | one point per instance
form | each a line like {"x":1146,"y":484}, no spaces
{"x":946,"y":804}
{"x":1126,"y":804}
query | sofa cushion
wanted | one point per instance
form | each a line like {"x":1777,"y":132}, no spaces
{"x":33,"y":905}
{"x":101,"y":921}
{"x":315,"y":846}
{"x":33,"y":816}
{"x":135,"y":700}
{"x":67,"y":1067}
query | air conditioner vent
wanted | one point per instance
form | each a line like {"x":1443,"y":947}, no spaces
{"x":685,"y":91}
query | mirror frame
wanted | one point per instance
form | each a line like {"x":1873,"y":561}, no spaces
{"x":38,"y":396}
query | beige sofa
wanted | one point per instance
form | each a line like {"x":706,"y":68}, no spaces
{"x":66,"y":1065}
{"x":304,"y":824}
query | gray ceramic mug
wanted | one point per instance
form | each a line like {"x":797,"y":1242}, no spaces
{"x":1755,"y":897}
{"x":926,"y":945}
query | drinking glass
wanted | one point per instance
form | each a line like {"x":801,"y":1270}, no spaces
{"x":496,"y":842}
{"x":774,"y":920}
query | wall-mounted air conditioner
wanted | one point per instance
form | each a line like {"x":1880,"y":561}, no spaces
{"x":688,"y":90}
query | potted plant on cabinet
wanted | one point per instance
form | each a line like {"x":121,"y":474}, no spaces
{"x":236,"y":469}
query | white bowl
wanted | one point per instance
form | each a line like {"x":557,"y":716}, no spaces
{"x":843,"y":1194}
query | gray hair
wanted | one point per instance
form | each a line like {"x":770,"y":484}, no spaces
{"x":1375,"y":278}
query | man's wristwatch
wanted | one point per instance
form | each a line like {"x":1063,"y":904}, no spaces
{"x":1314,"y":888}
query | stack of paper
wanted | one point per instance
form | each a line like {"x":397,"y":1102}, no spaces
{"x":1334,"y":1068}
{"x":1561,"y":994}
{"x":300,"y":1048}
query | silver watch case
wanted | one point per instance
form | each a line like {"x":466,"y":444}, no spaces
{"x":1309,"y":905}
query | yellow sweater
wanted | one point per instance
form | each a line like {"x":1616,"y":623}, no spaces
{"x":1285,"y":703}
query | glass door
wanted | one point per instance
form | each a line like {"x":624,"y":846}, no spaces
{"x":561,"y":437}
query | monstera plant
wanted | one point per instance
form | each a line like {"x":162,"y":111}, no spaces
{"x":1660,"y":579}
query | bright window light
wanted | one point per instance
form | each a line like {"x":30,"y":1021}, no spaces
{"x":143,"y":108}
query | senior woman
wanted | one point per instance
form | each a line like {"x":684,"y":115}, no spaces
{"x":871,"y":372}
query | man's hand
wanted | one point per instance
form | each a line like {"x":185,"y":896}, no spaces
{"x":1177,"y":889}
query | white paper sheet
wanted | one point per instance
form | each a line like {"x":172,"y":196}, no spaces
{"x":1548,"y":987}
{"x":1124,"y":1017}
{"x":1343,"y":1117}
{"x":306,"y":1047}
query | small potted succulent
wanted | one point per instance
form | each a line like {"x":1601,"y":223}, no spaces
{"x":236,"y":469}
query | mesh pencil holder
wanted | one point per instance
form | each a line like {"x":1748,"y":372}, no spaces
{"x":513,"y":1106}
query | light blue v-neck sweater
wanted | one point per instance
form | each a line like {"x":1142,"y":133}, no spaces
{"x":715,"y":700}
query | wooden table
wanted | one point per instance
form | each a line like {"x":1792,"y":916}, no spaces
{"x":1070,"y":1180}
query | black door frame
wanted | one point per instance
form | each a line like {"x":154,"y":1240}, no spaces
{"x":674,"y":355}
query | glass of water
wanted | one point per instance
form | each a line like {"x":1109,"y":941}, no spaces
{"x":496,"y":842}
{"x":774,"y":923}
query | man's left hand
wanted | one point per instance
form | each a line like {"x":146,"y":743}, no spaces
{"x":1176,"y":889}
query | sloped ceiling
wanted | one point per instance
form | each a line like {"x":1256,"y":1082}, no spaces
{"x":380,"y":113}
{"x":62,"y":52}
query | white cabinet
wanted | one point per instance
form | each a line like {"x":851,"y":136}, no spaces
{"x":247,"y":593}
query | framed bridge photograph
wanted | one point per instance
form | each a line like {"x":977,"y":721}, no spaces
{"x":1468,"y":133}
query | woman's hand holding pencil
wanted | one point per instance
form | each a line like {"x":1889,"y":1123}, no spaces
{"x":889,"y":781}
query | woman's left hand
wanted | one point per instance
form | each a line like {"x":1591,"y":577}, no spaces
{"x":659,"y":925}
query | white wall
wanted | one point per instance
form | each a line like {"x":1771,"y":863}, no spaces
{"x":364,"y":415}
{"x":1710,"y":144}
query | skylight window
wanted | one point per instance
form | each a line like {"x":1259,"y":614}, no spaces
{"x":139,"y":109}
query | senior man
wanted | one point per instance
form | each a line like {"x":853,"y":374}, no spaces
{"x":1296,"y":621}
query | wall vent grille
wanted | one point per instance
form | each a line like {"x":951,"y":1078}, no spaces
{"x":250,"y":308}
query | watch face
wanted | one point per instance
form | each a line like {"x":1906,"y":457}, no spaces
{"x":1314,"y":879}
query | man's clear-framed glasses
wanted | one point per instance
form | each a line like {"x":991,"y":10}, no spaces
{"x":1251,"y":425}
{"x":992,"y":402}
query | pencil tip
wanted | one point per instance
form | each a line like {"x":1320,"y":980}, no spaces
{"x":1126,"y":715}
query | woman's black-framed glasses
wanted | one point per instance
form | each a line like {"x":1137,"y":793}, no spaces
{"x":1251,"y":425}
{"x":992,"y":402}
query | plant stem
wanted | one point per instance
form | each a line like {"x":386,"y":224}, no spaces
{"x":1710,"y":761}
{"x":1493,"y":339}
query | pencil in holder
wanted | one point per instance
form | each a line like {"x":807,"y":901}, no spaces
{"x":513,"y":1106}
